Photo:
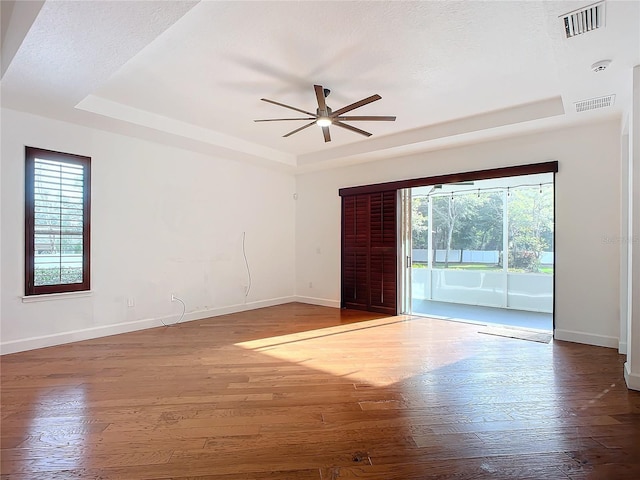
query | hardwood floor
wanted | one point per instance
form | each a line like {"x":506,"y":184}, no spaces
{"x":305,"y":392}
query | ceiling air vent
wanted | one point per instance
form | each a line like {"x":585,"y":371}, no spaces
{"x":594,"y":103}
{"x":584,"y":20}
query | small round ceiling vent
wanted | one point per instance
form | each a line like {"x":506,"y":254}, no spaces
{"x":601,"y":65}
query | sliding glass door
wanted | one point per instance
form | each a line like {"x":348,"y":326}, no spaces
{"x":486,"y":244}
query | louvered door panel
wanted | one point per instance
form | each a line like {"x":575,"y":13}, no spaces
{"x":355,"y":246}
{"x":356,"y":221}
{"x":355,"y":285}
{"x":382,"y":265}
{"x":382,"y":253}
{"x":369,"y":255}
{"x":383,"y":219}
{"x":348,"y":220}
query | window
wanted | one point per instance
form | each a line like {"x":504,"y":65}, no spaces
{"x":57,"y":222}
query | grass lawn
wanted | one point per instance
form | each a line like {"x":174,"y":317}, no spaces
{"x":482,"y":267}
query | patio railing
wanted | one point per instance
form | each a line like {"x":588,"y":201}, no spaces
{"x":521,"y":291}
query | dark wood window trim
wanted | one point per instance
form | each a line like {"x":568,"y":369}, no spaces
{"x":31,"y":154}
{"x":545,"y":167}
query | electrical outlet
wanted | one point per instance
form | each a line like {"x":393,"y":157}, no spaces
{"x":173,"y":297}
{"x":131,"y":302}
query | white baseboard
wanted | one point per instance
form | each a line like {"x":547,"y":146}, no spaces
{"x":632,"y":379}
{"x":622,"y":348}
{"x":586,"y":338}
{"x":32,"y":343}
{"x":323,"y":302}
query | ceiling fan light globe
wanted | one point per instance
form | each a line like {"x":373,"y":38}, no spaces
{"x":323,"y":122}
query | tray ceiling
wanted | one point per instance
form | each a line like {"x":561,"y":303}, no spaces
{"x":193,"y":73}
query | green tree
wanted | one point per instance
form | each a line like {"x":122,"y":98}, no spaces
{"x":450,"y":214}
{"x":530,"y":226}
{"x":481,"y":226}
{"x":420,"y":222}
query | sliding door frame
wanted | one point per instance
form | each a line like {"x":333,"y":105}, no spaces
{"x":399,"y":185}
{"x":515,"y":171}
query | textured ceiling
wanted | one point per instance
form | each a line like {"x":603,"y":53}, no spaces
{"x":197,"y":70}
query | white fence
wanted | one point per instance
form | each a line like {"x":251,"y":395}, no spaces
{"x":520,"y":291}
{"x":470,"y":256}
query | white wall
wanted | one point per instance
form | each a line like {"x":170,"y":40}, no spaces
{"x":164,"y":220}
{"x":632,"y":239}
{"x":587,"y":218}
{"x":625,"y":263}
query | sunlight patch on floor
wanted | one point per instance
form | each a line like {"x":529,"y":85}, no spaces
{"x":355,"y":351}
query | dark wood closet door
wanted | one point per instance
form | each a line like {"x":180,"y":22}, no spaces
{"x":369,"y":252}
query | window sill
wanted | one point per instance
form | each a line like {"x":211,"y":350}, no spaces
{"x":56,"y":296}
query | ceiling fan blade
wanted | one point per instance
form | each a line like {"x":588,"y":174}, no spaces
{"x":283,"y":119}
{"x":288,"y":106}
{"x":327,"y":135}
{"x":353,"y":106}
{"x":369,"y":118}
{"x":353,"y":129}
{"x":322,"y":105}
{"x":301,"y":128}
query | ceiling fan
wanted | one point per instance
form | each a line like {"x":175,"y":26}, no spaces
{"x":324,"y":116}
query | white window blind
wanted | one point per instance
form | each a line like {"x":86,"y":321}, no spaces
{"x":58,"y":222}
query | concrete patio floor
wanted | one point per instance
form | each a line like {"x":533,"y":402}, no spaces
{"x":483,"y":315}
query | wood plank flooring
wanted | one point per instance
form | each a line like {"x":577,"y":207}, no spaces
{"x":301,"y":392}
